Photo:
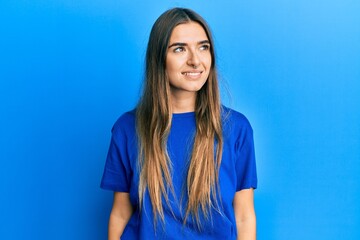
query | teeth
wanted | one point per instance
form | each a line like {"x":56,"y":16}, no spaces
{"x":192,"y":74}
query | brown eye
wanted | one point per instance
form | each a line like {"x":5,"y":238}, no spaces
{"x":205,"y":47}
{"x":179,"y":49}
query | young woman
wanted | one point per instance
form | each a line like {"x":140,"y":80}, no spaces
{"x":181,"y":165}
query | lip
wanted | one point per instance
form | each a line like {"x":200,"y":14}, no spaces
{"x":192,"y":71}
{"x":194,"y":74}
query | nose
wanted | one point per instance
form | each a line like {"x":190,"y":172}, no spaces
{"x":193,"y":59}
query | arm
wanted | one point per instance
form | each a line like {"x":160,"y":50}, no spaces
{"x":120,"y":215}
{"x":245,"y":214}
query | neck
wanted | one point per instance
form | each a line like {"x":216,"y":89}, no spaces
{"x":183,"y":103}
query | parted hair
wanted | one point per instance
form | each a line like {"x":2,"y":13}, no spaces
{"x":153,"y":123}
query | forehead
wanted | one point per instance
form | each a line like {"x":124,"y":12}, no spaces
{"x":188,"y":32}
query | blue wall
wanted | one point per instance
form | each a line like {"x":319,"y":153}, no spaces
{"x":68,"y":69}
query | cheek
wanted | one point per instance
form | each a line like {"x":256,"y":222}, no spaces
{"x":208,"y":61}
{"x":208,"y":64}
{"x":171,"y":65}
{"x":171,"y":71}
{"x":173,"y":60}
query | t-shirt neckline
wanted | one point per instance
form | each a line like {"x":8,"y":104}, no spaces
{"x":183,"y":115}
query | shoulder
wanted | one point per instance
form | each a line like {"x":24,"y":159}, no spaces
{"x":235,"y":120}
{"x":125,"y":123}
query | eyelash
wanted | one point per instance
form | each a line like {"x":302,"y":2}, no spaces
{"x":181,"y":49}
{"x":205,"y":47}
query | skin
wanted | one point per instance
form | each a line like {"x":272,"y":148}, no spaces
{"x":120,"y":215}
{"x":245,"y":214}
{"x":188,"y":63}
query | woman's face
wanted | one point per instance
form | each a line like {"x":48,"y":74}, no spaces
{"x":188,"y":59}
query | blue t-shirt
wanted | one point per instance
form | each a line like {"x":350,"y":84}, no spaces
{"x":237,"y":172}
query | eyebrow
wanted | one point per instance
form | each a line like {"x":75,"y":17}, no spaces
{"x":180,"y":44}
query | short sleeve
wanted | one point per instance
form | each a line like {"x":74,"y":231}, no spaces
{"x":245,"y":163}
{"x":117,"y":171}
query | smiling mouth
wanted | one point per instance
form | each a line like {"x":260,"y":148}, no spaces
{"x":191,"y":74}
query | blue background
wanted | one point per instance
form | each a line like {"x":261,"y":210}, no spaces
{"x":68,"y":69}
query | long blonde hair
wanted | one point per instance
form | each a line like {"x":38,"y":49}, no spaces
{"x":154,"y":117}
